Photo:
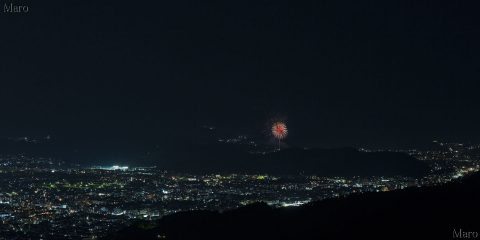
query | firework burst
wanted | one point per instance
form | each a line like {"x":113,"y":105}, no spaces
{"x":279,"y":131}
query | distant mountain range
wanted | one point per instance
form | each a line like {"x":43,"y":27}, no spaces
{"x":212,"y":158}
{"x":26,"y":145}
{"x":442,"y":212}
{"x":236,"y":156}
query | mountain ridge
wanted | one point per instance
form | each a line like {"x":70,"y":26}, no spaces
{"x":221,"y":158}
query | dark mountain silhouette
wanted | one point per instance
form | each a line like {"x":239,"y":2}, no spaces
{"x":413,"y":213}
{"x":215,"y":158}
{"x":71,"y":151}
{"x":14,"y":146}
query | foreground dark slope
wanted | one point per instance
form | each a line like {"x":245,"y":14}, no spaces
{"x":415,"y":213}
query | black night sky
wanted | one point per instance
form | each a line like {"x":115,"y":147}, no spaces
{"x":343,"y":73}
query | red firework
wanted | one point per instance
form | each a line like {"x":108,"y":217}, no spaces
{"x":279,"y":130}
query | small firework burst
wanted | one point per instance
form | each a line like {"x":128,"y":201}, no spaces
{"x":279,"y":131}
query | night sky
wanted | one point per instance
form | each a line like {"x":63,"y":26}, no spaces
{"x":342,"y":73}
